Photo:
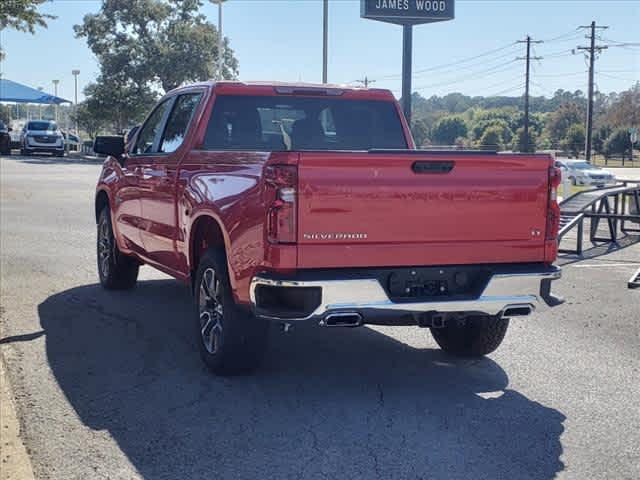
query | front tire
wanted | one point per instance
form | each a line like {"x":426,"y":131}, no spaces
{"x":116,"y":270}
{"x":474,"y":336}
{"x":231,"y":339}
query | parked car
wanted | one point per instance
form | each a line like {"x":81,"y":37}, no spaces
{"x":16,"y":132}
{"x":42,"y":136}
{"x":585,"y":173}
{"x":295,"y":203}
{"x":5,"y":139}
{"x":72,"y":142}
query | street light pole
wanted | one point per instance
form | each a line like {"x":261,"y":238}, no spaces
{"x":325,"y":39}
{"x":40,"y":106}
{"x":220,"y":40}
{"x":75,"y":74}
{"x":55,"y":92}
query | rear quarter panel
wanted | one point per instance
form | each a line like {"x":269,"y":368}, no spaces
{"x":228,"y":187}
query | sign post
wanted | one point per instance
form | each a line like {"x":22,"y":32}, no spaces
{"x":407,"y":13}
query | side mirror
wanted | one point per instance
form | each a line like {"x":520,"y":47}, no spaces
{"x":109,"y":145}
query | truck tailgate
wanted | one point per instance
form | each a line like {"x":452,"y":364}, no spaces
{"x":395,"y":209}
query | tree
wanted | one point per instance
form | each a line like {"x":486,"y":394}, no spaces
{"x":448,"y":129}
{"x":420,"y":132}
{"x":491,"y":138}
{"x":88,"y":118}
{"x":22,"y":15}
{"x":5,"y":114}
{"x":574,"y":139}
{"x":617,"y":143}
{"x":523,"y":144}
{"x":625,"y":109}
{"x":559,"y":121}
{"x":119,"y":101}
{"x":599,"y":137}
{"x":156,"y":42}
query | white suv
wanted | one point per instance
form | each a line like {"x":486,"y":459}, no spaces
{"x":41,"y":136}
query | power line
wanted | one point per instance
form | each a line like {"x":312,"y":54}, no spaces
{"x":618,"y":78}
{"x":519,"y":87}
{"x":473,"y":75}
{"x":582,"y":72}
{"x":424,"y":87}
{"x":451,"y":64}
{"x":571,"y":33}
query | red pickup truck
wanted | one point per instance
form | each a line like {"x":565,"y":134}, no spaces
{"x":290,"y":203}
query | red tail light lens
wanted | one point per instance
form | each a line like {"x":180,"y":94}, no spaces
{"x":282,"y":180}
{"x":553,"y":212}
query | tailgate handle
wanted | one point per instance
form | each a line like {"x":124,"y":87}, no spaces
{"x":432,"y":167}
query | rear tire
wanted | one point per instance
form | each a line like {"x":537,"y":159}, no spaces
{"x":474,"y":336}
{"x":231,"y":339}
{"x":116,"y":270}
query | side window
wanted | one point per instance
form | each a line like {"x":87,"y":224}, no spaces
{"x":178,"y":122}
{"x":150,"y":130}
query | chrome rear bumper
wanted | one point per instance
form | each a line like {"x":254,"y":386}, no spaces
{"x":523,"y":291}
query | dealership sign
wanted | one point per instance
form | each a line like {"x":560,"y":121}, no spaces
{"x":407,"y":12}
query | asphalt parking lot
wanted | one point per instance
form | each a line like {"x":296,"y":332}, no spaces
{"x":109,"y":384}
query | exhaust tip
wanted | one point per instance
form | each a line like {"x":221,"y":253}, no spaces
{"x":517,"y":311}
{"x":342,"y":319}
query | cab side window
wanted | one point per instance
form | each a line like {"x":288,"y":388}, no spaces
{"x":178,"y":122}
{"x":146,"y":143}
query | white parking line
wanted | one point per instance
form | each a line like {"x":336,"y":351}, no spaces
{"x":604,"y":265}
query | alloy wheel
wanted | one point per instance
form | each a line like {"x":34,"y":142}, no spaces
{"x":104,"y":247}
{"x":211,"y":311}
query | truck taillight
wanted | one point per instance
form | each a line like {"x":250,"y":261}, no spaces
{"x":553,"y":212}
{"x":281,"y":216}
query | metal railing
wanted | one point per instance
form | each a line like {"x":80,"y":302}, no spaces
{"x":618,"y":206}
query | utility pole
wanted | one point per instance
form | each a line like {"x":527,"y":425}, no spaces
{"x":325,"y":39}
{"x":366,"y":81}
{"x":75,"y":74}
{"x":528,"y":59}
{"x":592,"y":58}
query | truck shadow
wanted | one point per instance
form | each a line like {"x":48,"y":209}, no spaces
{"x":328,"y":403}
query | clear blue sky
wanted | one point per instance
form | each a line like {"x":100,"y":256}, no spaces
{"x":281,"y":40}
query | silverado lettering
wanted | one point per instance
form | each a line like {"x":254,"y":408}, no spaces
{"x":294,"y":203}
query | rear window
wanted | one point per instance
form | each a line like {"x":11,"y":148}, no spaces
{"x":41,"y":126}
{"x":300,"y":123}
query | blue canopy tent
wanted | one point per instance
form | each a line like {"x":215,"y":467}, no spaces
{"x":13,"y":92}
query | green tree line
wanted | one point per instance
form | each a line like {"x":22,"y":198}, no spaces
{"x":555,"y":123}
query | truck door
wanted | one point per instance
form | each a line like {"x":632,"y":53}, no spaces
{"x":158,"y":181}
{"x":141,"y":158}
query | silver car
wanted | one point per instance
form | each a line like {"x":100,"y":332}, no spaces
{"x":584,"y":173}
{"x":41,"y":136}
